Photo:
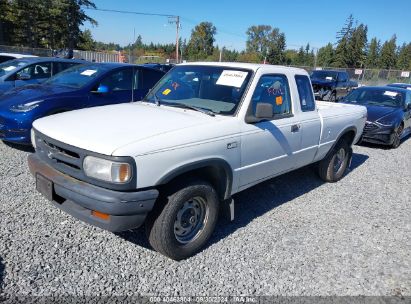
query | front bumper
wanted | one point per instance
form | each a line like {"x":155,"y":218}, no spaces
{"x":377,"y":134}
{"x":126,"y":210}
{"x":14,"y":130}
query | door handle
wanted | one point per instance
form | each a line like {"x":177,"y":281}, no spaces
{"x":295,"y":128}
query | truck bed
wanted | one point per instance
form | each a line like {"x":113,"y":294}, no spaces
{"x":333,"y":116}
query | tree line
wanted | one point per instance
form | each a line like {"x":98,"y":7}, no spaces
{"x":268,"y":44}
{"x":56,"y":24}
{"x":51,"y":24}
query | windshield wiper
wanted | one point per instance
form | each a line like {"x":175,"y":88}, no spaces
{"x":186,"y":106}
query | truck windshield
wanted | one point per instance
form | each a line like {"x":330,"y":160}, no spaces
{"x":326,"y":75}
{"x":11,"y":65}
{"x":212,"y":88}
{"x":78,"y":76}
{"x":376,"y":96}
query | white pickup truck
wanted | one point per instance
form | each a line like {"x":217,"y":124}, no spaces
{"x":205,"y":132}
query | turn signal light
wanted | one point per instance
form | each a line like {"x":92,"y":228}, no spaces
{"x":100,"y":215}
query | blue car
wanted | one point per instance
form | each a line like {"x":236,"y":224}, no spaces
{"x":31,"y":70}
{"x":82,"y":86}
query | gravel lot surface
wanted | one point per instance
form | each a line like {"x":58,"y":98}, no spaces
{"x":293,"y":235}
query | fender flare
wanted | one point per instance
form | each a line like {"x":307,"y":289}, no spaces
{"x":212,"y":162}
{"x":342,"y":133}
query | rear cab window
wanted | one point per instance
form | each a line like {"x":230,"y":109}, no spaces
{"x":305,"y":93}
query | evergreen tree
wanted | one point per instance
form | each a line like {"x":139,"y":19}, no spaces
{"x":373,"y":54}
{"x":325,"y":56}
{"x":201,"y":43}
{"x":404,"y":57}
{"x":388,"y":56}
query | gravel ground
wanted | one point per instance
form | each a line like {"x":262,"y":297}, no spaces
{"x":293,"y":235}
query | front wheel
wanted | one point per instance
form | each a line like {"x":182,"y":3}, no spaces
{"x":186,"y":222}
{"x":397,"y":137}
{"x":333,"y":97}
{"x":332,"y":168}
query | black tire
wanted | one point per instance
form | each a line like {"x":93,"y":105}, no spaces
{"x":397,"y":137}
{"x":163,"y":230}
{"x":332,"y":168}
{"x":333,"y":97}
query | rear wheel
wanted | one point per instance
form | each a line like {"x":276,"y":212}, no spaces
{"x":397,"y":137}
{"x":332,"y":167}
{"x":186,"y":222}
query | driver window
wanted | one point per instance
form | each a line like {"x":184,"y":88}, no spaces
{"x":37,"y":71}
{"x":273,"y":89}
{"x":119,"y":81}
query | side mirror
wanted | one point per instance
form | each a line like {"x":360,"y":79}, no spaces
{"x":264,"y":110}
{"x":23,"y":76}
{"x":102,"y":89}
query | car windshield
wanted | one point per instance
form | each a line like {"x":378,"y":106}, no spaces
{"x":384,"y":97}
{"x":78,"y":76}
{"x":11,"y":65}
{"x":326,"y":75}
{"x":213,"y":89}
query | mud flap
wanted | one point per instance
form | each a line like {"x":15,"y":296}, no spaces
{"x":227,"y":209}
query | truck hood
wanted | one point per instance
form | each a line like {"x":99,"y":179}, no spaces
{"x":108,"y":128}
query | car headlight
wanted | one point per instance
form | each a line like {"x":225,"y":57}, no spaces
{"x":26,"y":107}
{"x":386,"y":122}
{"x":106,"y":170}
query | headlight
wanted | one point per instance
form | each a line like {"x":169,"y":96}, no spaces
{"x":26,"y":107}
{"x":106,"y":170}
{"x":387,"y":122}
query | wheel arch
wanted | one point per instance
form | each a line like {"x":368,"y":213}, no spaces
{"x":348,"y":133}
{"x":216,"y":171}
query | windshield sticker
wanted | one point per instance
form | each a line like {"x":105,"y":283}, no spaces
{"x":329,"y":78}
{"x":232,"y":78}
{"x":390,"y":93}
{"x":279,"y":100}
{"x":175,"y":85}
{"x":166,"y":91}
{"x":9,"y":68}
{"x":88,"y":72}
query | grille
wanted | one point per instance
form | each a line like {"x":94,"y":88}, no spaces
{"x":69,"y":160}
{"x":60,"y":156}
{"x":369,"y":127}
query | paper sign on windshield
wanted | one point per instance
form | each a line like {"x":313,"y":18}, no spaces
{"x":329,"y":78}
{"x":88,"y":72}
{"x":9,"y":68}
{"x":389,"y":93}
{"x":232,"y":78}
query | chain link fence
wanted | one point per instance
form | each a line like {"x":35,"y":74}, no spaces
{"x":86,"y":55}
{"x":370,"y":77}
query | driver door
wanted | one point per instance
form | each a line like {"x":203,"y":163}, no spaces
{"x":268,"y":148}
